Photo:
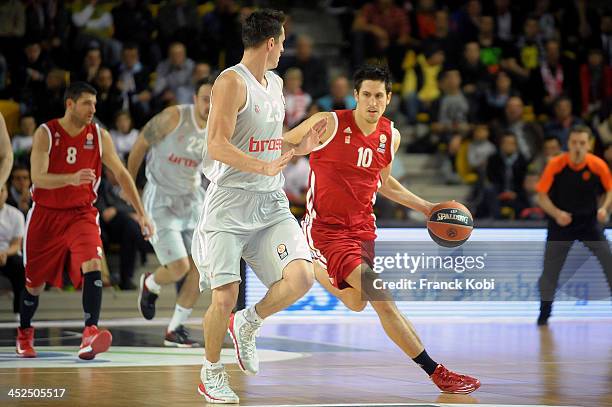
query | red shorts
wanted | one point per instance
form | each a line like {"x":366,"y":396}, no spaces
{"x":55,"y":238}
{"x":340,"y":250}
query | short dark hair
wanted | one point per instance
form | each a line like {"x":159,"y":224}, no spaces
{"x":372,"y":73}
{"x":202,"y":82}
{"x":76,"y":89}
{"x":261,"y":25}
{"x":581,"y":128}
{"x":18,"y":166}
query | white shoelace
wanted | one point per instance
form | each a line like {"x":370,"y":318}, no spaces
{"x":248,"y":335}
{"x":220,"y":382}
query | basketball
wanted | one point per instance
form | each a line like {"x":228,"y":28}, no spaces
{"x":450,"y":224}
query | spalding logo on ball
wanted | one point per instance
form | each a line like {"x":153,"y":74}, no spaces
{"x":450,"y":224}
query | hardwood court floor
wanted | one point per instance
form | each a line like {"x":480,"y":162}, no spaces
{"x":350,"y":362}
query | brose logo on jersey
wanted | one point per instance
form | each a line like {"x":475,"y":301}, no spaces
{"x":257,"y":146}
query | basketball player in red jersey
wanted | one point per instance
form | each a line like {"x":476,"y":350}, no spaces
{"x":62,"y":225}
{"x":348,"y":168}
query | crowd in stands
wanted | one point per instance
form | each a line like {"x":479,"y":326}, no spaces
{"x":488,"y":88}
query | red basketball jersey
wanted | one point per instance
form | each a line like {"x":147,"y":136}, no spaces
{"x":68,"y":155}
{"x":345,"y":173}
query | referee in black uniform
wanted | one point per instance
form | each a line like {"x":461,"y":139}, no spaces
{"x":570,"y":192}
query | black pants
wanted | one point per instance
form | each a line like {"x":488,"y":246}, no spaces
{"x":15,"y":272}
{"x":125,"y":231}
{"x":558,"y":244}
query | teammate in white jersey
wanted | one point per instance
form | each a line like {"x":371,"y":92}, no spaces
{"x":246,"y":213}
{"x":173,"y":196}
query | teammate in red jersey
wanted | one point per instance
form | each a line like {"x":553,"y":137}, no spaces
{"x":62,"y":226}
{"x":348,"y":168}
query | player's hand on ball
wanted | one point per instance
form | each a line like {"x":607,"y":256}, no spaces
{"x":82,"y":177}
{"x":563,"y":218}
{"x":274,"y":167}
{"x":603,"y":215}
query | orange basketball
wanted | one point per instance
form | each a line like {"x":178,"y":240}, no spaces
{"x":450,"y":224}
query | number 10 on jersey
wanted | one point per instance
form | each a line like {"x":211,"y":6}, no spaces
{"x":365,"y":157}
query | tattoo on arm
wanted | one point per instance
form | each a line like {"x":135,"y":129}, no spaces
{"x":153,"y":131}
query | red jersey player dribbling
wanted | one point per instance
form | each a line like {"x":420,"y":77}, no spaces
{"x":353,"y":163}
{"x":67,"y":158}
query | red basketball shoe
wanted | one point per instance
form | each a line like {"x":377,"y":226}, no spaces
{"x":451,"y":382}
{"x":25,"y":343}
{"x":94,"y":341}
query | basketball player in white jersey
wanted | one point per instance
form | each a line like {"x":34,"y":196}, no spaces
{"x":246,"y":213}
{"x":173,"y":196}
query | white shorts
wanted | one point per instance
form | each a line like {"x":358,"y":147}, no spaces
{"x":272,"y":241}
{"x":174,"y":218}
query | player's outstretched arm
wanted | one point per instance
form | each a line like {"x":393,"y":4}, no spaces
{"x":112,"y":161}
{"x":6,"y":152}
{"x":392,"y":189}
{"x":309,"y":134}
{"x":228,"y":97}
{"x":39,"y":160}
{"x":152,"y":133}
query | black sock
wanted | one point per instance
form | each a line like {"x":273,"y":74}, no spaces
{"x":27,"y":308}
{"x":92,"y":297}
{"x":426,"y":363}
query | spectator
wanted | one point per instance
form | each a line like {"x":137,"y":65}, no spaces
{"x":133,"y":81}
{"x":28,"y":76}
{"x":109,"y":99}
{"x":474,"y":74}
{"x":178,"y":21}
{"x":22,"y":141}
{"x":12,"y":28}
{"x":466,"y":21}
{"x":497,"y":98}
{"x":420,"y":86}
{"x":552,"y":80}
{"x":506,"y":173}
{"x":505,"y":23}
{"x":172,"y":73}
{"x":425,"y":19}
{"x":453,"y":108}
{"x":340,"y":96}
{"x":529,"y":136}
{"x":313,"y":68}
{"x":546,"y":19}
{"x":11,"y":235}
{"x":119,"y":224}
{"x":134,"y":24}
{"x":595,"y":83}
{"x":530,"y":45}
{"x":604,"y":130}
{"x":296,"y":184}
{"x":19,"y":191}
{"x":491,"y":49}
{"x":296,"y":101}
{"x":381,"y":30}
{"x":184,"y":94}
{"x":92,"y":61}
{"x":480,"y":149}
{"x":531,"y":210}
{"x":443,"y":39}
{"x":222,"y":32}
{"x":124,"y":135}
{"x":550,"y":149}
{"x":49,"y":104}
{"x":563,"y":121}
{"x":94,"y":22}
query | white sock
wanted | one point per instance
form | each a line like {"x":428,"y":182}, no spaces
{"x":251,"y":315}
{"x":152,"y":285}
{"x":179,"y":317}
{"x":212,"y":365}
